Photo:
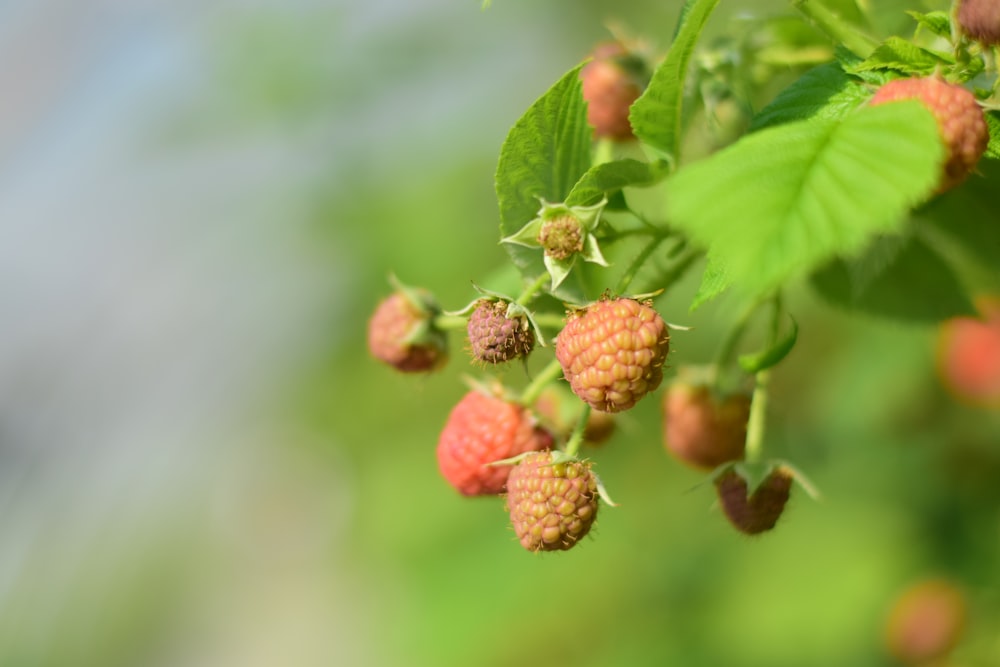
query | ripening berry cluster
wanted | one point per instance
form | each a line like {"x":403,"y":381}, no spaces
{"x":611,"y":354}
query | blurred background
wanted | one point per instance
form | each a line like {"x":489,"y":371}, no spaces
{"x":201,"y":466}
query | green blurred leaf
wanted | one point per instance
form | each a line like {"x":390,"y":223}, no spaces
{"x":938,"y":23}
{"x":900,"y":55}
{"x":609,"y":177}
{"x":714,"y":281}
{"x":754,"y":363}
{"x":656,"y":115}
{"x":968,"y":215}
{"x":780,"y":202}
{"x":993,"y":123}
{"x":822,"y":92}
{"x":914,"y":285}
{"x":543,"y":156}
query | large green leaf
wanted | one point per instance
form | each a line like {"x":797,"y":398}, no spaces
{"x":780,"y":202}
{"x":543,"y":156}
{"x":822,"y":92}
{"x":993,"y":123}
{"x":656,"y":115}
{"x":902,"y":279}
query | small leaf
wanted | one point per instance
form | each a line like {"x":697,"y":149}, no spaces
{"x":656,"y":115}
{"x":780,"y":202}
{"x":938,"y":23}
{"x":610,"y":177}
{"x":714,"y":281}
{"x":822,"y":92}
{"x":915,"y":286}
{"x":543,"y":156}
{"x":905,"y":57}
{"x":754,"y":363}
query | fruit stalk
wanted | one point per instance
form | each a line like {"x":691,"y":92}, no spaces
{"x":576,"y":438}
{"x":552,"y":371}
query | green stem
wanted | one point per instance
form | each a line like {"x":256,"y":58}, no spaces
{"x":453,"y":322}
{"x":758,"y":415}
{"x":534,"y":389}
{"x":550,"y":320}
{"x":636,"y":264}
{"x":576,"y":438}
{"x":531,"y":290}
{"x":836,"y":27}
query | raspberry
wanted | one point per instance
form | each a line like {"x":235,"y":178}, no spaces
{"x":561,"y":237}
{"x":401,"y":333}
{"x":701,"y":429}
{"x":980,"y":20}
{"x":552,"y":505}
{"x":968,"y":357}
{"x":613,"y":353}
{"x":759,"y":511}
{"x":496,"y":338}
{"x":610,"y":89}
{"x":960,"y":119}
{"x":482,"y":429}
{"x":926,"y":622}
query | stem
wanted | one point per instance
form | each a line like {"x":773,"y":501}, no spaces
{"x":758,"y":415}
{"x":548,"y":374}
{"x":576,"y":438}
{"x":636,"y":264}
{"x":531,"y":290}
{"x":454,"y":322}
{"x":836,"y":27}
{"x":550,"y":320}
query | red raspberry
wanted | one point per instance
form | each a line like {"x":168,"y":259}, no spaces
{"x":613,"y":353}
{"x":701,"y":429}
{"x":759,"y":511}
{"x":482,"y":429}
{"x":401,"y":334}
{"x":960,"y":120}
{"x":552,"y":505}
{"x":980,"y":20}
{"x":926,"y":622}
{"x":496,"y":338}
{"x":968,"y":357}
{"x":610,"y":89}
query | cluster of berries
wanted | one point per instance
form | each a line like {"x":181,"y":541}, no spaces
{"x":612,"y":354}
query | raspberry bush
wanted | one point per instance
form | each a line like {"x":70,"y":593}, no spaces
{"x":857,"y":166}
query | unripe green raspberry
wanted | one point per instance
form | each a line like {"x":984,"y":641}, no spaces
{"x":960,"y":119}
{"x":612,"y":353}
{"x":496,"y":338}
{"x":552,"y":505}
{"x":759,"y":511}
{"x":561,"y":237}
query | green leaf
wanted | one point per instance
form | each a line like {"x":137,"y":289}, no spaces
{"x":993,"y":123}
{"x":780,"y":202}
{"x":656,"y":115}
{"x":714,"y":281}
{"x":543,"y":156}
{"x":938,"y":23}
{"x":609,"y":177}
{"x":916,"y":285}
{"x":967,"y":215}
{"x":905,"y":57}
{"x":822,"y":92}
{"x":754,"y":363}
